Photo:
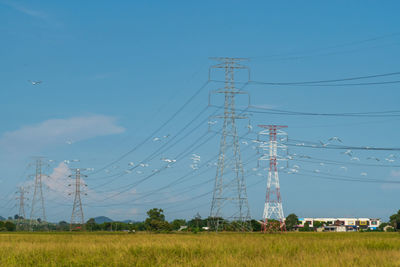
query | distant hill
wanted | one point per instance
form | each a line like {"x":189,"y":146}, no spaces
{"x":102,"y":219}
{"x":2,"y":218}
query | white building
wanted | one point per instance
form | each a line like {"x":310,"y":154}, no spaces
{"x":349,"y":223}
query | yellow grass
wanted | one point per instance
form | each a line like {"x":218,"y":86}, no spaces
{"x":226,"y":249}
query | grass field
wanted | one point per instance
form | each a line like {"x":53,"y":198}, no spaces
{"x":225,"y":249}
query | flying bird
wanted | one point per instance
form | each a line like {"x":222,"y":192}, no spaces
{"x":35,"y":82}
{"x":335,"y":138}
{"x":389,"y":160}
{"x":69,"y":141}
{"x":168,"y":160}
{"x":131,"y":163}
{"x":155,"y":139}
{"x":348,"y":153}
{"x":363,"y":174}
{"x":355,"y":158}
{"x":343,"y":168}
{"x":323,"y":144}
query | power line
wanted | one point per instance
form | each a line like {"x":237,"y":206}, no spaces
{"x":155,"y":131}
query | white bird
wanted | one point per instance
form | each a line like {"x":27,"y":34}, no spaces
{"x":355,"y":158}
{"x":66,"y":161}
{"x":296,"y":167}
{"x":69,"y":141}
{"x":193,"y":166}
{"x":156,"y":139}
{"x":323,"y":144}
{"x":321,"y":164}
{"x":166,"y":136}
{"x":294,"y":170}
{"x":35,"y":82}
{"x":335,"y":138}
{"x":363,"y":174}
{"x":300,"y":144}
{"x":373,"y":158}
{"x":389,"y":160}
{"x":317,"y":171}
{"x":131,"y":163}
{"x":245,"y":143}
{"x":212,"y":122}
{"x":348,"y":153}
{"x":250,"y":127}
{"x":168,"y":160}
{"x":344,"y":168}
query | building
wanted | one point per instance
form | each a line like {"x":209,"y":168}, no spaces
{"x":350,"y":224}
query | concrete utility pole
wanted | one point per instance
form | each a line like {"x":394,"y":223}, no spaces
{"x":230,"y":196}
{"x":273,"y":201}
{"x":77,"y":217}
{"x":37,"y":209}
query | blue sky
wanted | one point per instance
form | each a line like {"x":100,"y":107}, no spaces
{"x":113,"y":72}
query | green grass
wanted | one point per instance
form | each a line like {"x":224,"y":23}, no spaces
{"x":225,"y":249}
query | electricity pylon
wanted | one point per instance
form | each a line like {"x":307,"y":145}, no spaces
{"x":273,"y":202}
{"x":21,"y":213}
{"x":230,"y":196}
{"x":77,"y":218}
{"x":38,"y":213}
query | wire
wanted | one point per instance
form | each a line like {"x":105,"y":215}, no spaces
{"x":155,"y":131}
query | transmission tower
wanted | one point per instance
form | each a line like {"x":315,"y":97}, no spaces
{"x":38,"y":213}
{"x":21,"y":213}
{"x":229,"y":195}
{"x":273,"y":202}
{"x":77,"y":218}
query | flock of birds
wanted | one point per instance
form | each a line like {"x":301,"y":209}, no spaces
{"x":349,"y":153}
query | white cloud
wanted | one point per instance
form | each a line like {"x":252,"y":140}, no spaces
{"x":23,"y":9}
{"x":51,"y":132}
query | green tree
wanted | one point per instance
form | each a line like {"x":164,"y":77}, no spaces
{"x":291,"y":221}
{"x":91,"y":224}
{"x":176,"y":224}
{"x":10,"y":226}
{"x":395,"y":220}
{"x":305,"y":228}
{"x":156,"y":221}
{"x":318,"y":224}
{"x":255,"y":226}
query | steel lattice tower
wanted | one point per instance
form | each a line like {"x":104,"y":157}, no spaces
{"x":21,"y":213}
{"x":37,"y":209}
{"x":229,"y":195}
{"x":77,"y":218}
{"x":273,"y":201}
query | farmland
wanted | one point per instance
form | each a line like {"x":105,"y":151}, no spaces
{"x":203,"y":249}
